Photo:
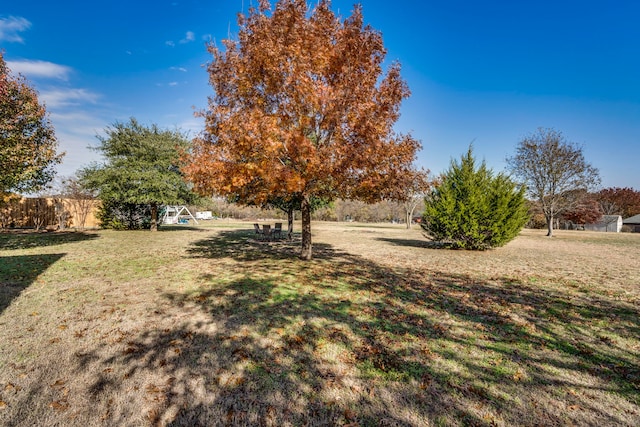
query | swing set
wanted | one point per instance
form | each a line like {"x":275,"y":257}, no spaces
{"x":176,"y":214}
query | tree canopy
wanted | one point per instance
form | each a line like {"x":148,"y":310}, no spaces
{"x":554,"y":171}
{"x":302,"y":106}
{"x":471,"y":208}
{"x":619,"y":201}
{"x":28,"y":145}
{"x":586,"y":211}
{"x":141,"y":167}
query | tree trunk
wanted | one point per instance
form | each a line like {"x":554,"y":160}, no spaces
{"x":290,"y":223}
{"x":550,"y":226}
{"x":154,"y":217}
{"x":409,"y":218}
{"x":306,"y":228}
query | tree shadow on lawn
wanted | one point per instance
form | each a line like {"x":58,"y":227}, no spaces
{"x":177,"y":227}
{"x":245,"y":245}
{"x":28,"y":239}
{"x":19,"y":272}
{"x":413,"y":243}
{"x":341,"y":340}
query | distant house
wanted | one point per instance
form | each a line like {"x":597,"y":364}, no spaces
{"x":633,"y":223}
{"x":611,"y":223}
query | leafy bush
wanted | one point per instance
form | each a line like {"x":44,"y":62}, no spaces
{"x":473,"y":208}
{"x":124,"y":216}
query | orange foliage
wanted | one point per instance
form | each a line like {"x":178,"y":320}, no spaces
{"x":302,"y":107}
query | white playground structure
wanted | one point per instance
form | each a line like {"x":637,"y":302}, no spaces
{"x":173,"y":214}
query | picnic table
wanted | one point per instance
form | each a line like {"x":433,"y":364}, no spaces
{"x":267,"y":232}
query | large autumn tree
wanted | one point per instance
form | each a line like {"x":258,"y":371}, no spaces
{"x":28,"y":145}
{"x":303,"y":107}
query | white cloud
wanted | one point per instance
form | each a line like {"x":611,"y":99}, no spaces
{"x":39,"y":69}
{"x":76,"y":132}
{"x":184,"y":70}
{"x":191,"y":126}
{"x":173,"y":84}
{"x":65,"y":97}
{"x":11,"y":27}
{"x":189,"y":37}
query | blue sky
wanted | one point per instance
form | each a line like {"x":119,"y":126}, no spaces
{"x":487,"y":71}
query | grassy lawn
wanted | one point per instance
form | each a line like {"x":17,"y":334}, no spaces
{"x":208,"y":326}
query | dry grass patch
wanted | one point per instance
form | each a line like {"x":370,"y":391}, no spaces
{"x":211,"y":327}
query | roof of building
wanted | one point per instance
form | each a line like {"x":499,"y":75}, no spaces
{"x":632,"y":220}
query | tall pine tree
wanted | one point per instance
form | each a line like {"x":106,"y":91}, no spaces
{"x":474,"y":209}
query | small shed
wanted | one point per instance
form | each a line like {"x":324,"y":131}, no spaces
{"x":610,"y":223}
{"x":633,"y":223}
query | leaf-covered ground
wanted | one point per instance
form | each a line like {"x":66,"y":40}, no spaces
{"x":208,"y":326}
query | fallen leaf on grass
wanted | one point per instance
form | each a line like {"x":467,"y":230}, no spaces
{"x":490,"y":419}
{"x":57,"y":384}
{"x":519,"y":375}
{"x":3,"y":404}
{"x":152,"y":388}
{"x":238,"y":381}
{"x":11,"y":388}
{"x":153,"y":414}
{"x":59,"y":405}
{"x":201,"y":298}
{"x":131,"y":350}
{"x":349,"y":414}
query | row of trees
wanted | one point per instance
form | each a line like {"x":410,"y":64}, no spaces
{"x":302,"y":115}
{"x":589,"y":207}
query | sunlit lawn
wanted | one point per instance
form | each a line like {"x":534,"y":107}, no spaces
{"x":209,"y":326}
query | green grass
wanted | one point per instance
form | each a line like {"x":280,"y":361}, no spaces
{"x":207,"y":326}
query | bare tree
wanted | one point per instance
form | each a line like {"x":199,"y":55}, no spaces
{"x":39,"y":211}
{"x":62,"y":213}
{"x":81,"y":199}
{"x":554,"y":170}
{"x":415,"y":189}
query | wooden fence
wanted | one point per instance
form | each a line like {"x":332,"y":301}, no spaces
{"x":48,"y":212}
